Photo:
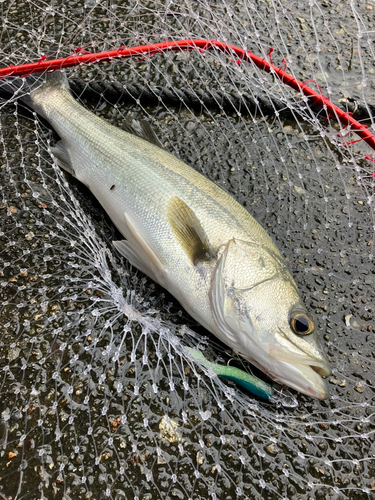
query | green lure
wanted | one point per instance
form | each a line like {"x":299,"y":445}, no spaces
{"x":241,"y":378}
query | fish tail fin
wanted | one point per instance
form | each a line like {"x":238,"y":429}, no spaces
{"x":28,"y":89}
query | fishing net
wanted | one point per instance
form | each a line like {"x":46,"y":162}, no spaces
{"x":99,"y":397}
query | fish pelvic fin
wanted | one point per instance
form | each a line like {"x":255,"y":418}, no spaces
{"x":140,"y":252}
{"x":188,"y":231}
{"x":132,"y":255}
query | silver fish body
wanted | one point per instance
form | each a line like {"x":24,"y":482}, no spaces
{"x":191,"y":237}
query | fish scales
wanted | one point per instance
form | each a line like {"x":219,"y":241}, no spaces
{"x":169,"y":175}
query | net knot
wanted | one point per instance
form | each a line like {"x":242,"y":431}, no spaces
{"x":152,"y":51}
{"x":81,"y":50}
{"x":315,"y":83}
{"x":284,"y":65}
{"x":202,"y":49}
{"x":237,"y":61}
{"x":318,"y":100}
{"x":269,"y":55}
{"x":348,"y":143}
{"x":42,"y":59}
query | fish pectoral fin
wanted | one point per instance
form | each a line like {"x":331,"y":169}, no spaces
{"x":188,"y":231}
{"x":62,"y":157}
{"x":143,"y":255}
{"x":142,"y":129}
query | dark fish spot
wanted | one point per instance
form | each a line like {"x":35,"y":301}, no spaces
{"x":112,"y":187}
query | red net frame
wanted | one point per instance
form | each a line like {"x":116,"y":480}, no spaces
{"x":81,"y":56}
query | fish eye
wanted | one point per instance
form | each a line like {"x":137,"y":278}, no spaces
{"x":301,"y":323}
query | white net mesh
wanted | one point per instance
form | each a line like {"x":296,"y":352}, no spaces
{"x":98,"y":398}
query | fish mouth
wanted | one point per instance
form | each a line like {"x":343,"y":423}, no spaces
{"x":323,"y":371}
{"x":300,"y":365}
{"x":304,"y":374}
{"x":307,"y":379}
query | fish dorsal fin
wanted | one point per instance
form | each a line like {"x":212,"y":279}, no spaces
{"x":188,"y":231}
{"x":141,"y":129}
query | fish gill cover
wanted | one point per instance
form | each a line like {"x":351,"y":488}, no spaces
{"x":99,"y":397}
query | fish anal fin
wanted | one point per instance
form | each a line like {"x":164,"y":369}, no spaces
{"x":188,"y":231}
{"x":63,"y":160}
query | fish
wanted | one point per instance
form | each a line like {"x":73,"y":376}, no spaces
{"x":187,"y":234}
